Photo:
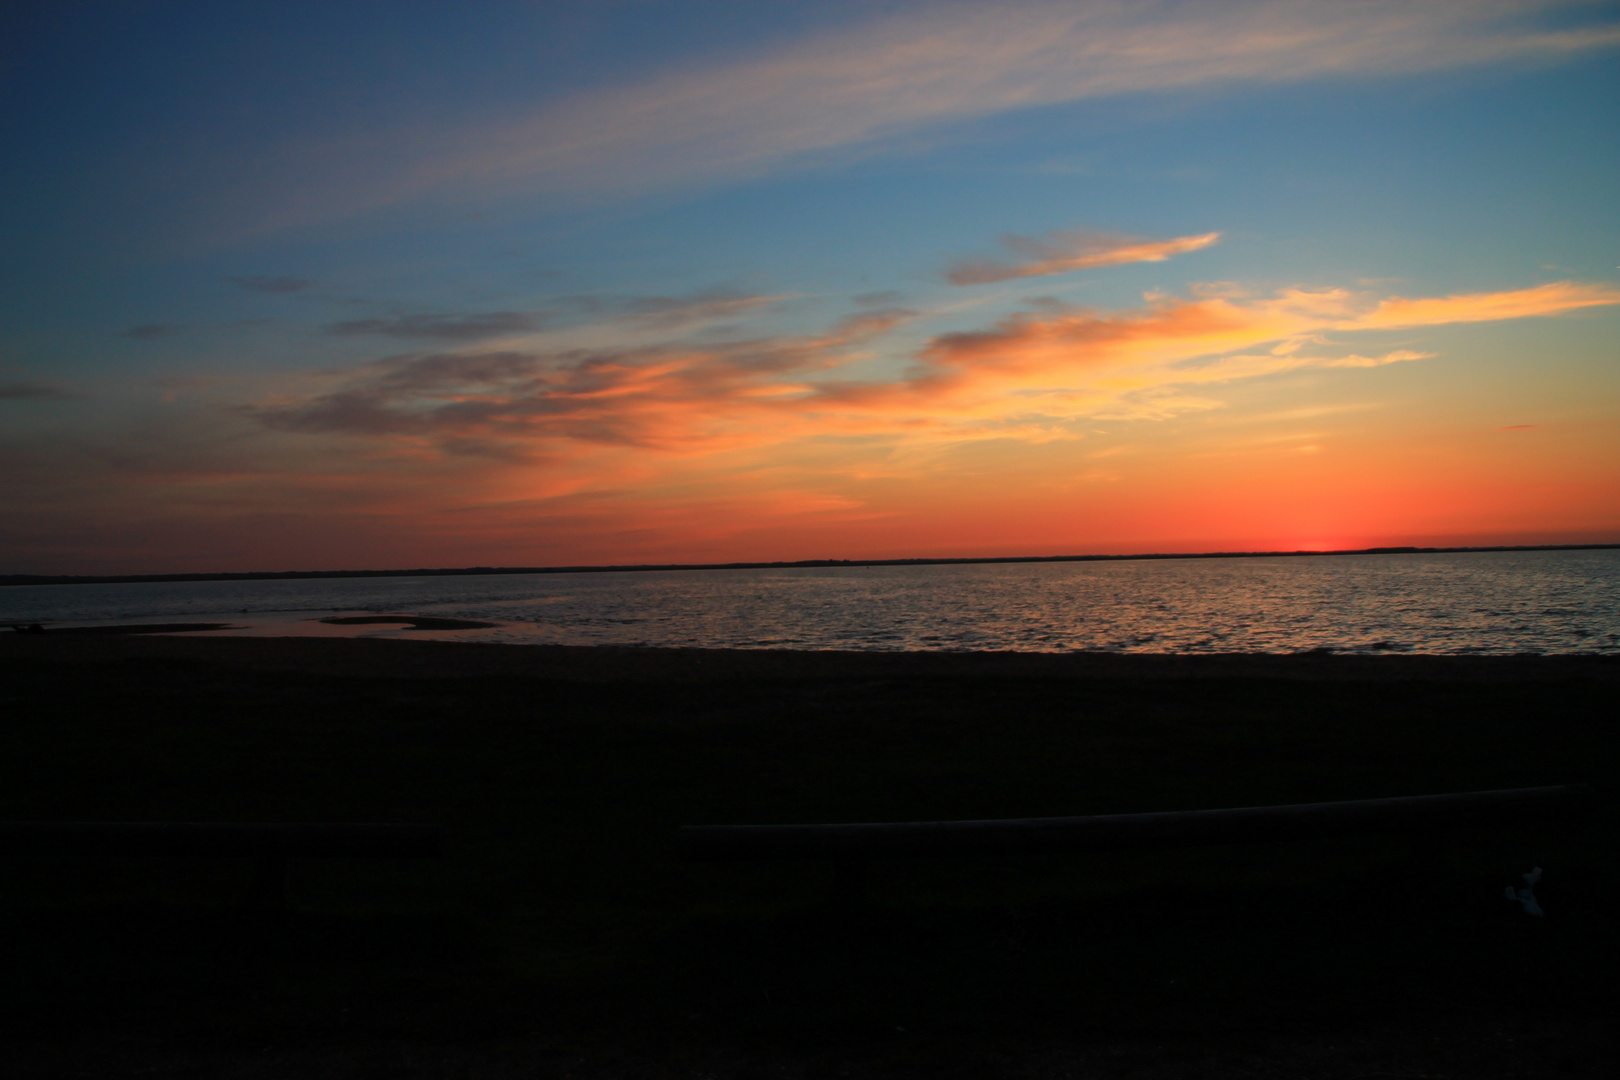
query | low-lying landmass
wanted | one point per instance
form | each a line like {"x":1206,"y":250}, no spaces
{"x":561,"y":935}
{"x":479,"y":571}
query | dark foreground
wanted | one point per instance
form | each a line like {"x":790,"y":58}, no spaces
{"x":561,"y":936}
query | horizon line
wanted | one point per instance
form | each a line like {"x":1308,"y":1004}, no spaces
{"x":627,"y":568}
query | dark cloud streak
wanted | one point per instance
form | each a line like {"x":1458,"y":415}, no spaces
{"x":439,"y":327}
{"x":648,"y":397}
{"x":672,"y":312}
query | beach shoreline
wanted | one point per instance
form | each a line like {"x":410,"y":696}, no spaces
{"x":427,"y":659}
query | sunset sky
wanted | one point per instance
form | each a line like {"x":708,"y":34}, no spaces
{"x":361,"y":285}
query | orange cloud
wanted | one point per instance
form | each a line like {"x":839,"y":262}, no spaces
{"x":1084,"y":357}
{"x":1027,"y":377}
{"x":1396,"y":357}
{"x":1551,"y":299}
{"x":1063,"y":252}
{"x":672,"y":398}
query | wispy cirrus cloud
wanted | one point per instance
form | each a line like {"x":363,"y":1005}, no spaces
{"x":876,"y":83}
{"x":1064,"y":252}
{"x":1398,"y":356}
{"x":1560,"y":296}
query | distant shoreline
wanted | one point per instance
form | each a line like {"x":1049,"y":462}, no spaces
{"x":801,"y":564}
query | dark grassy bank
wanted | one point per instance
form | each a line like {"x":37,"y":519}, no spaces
{"x":562,"y":936}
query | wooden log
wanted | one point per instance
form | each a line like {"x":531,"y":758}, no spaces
{"x":216,"y":840}
{"x":1425,"y":814}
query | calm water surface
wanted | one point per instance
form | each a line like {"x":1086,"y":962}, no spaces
{"x":1487,"y":602}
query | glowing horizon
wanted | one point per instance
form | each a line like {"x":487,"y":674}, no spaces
{"x":1272,"y":275}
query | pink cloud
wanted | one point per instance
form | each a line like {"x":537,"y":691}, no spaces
{"x":1062,"y":252}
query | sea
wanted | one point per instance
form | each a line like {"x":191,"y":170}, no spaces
{"x":1500,"y":602}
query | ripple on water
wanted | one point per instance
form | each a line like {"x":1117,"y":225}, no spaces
{"x":1481,"y":602}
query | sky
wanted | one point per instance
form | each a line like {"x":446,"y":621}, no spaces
{"x":380,"y":285}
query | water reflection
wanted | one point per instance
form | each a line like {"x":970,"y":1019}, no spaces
{"x":1487,"y":602}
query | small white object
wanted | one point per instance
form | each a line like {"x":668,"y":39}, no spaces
{"x":1527,"y":895}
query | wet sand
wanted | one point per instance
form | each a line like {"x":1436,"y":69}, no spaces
{"x":373,"y":658}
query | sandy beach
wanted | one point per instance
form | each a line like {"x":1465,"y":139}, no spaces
{"x":560,"y":936}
